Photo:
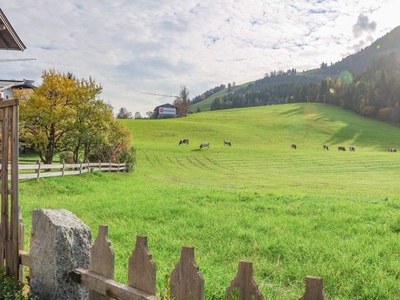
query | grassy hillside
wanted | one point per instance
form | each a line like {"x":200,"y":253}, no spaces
{"x":205,"y":105}
{"x":291,"y":212}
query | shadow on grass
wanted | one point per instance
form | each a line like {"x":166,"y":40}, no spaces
{"x":355,"y":129}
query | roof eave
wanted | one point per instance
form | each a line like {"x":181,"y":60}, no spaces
{"x":18,"y":43}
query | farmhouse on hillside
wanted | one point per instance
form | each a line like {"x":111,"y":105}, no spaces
{"x":164,"y":111}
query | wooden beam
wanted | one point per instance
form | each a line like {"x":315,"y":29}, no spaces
{"x":9,"y":103}
{"x":25,"y":258}
{"x":107,"y":287}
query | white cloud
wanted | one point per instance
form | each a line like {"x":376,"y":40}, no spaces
{"x":129,"y":46}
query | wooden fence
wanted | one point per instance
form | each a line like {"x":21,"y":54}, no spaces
{"x":186,"y":281}
{"x":38,"y":170}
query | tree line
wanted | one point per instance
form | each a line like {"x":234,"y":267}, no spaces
{"x":66,"y":115}
{"x":374,"y":92}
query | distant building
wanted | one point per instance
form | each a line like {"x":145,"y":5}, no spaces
{"x":164,"y":111}
{"x":7,"y":87}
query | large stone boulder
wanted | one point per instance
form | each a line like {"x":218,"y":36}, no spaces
{"x":60,"y":243}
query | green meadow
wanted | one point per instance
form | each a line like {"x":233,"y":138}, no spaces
{"x":292,"y":213}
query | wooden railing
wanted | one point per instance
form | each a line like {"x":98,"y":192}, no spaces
{"x":38,"y":170}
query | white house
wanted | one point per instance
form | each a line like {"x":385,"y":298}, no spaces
{"x":7,"y":87}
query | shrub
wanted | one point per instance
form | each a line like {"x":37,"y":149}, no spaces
{"x":12,"y":290}
{"x":128,"y":157}
{"x":67,"y":156}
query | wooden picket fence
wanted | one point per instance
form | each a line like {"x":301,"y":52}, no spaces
{"x":39,"y":170}
{"x":186,"y":281}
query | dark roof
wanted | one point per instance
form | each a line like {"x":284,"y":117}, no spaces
{"x":9,"y":84}
{"x":9,"y":39}
{"x":165,"y":105}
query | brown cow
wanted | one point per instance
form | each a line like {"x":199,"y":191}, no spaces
{"x":294,"y":146}
{"x":325,"y":147}
{"x":340,"y":148}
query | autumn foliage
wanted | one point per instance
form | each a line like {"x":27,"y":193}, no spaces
{"x":66,"y":114}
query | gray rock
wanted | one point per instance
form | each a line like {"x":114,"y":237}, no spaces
{"x":60,"y":243}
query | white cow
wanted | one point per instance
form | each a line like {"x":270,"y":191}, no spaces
{"x":204,"y":145}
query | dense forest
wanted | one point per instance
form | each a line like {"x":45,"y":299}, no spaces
{"x":367,"y":82}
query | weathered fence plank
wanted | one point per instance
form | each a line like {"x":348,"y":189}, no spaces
{"x":142,"y":268}
{"x":102,"y":259}
{"x":14,"y":195}
{"x":4,"y":188}
{"x":186,"y":278}
{"x":314,"y":289}
{"x":105,"y":286}
{"x":245,"y":283}
{"x":21,"y":231}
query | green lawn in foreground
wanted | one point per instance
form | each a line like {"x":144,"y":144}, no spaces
{"x":291,"y":212}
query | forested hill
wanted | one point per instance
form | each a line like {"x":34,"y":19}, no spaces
{"x":359,"y":61}
{"x":367,"y":82}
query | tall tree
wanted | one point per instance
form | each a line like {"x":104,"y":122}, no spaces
{"x":124,"y":114}
{"x":47,"y":116}
{"x":183,"y":102}
{"x":65,"y":114}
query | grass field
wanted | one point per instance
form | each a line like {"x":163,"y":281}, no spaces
{"x":291,"y":212}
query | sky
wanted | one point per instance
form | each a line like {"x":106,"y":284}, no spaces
{"x":134,"y":47}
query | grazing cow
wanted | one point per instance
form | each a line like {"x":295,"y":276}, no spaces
{"x":204,"y":145}
{"x":294,"y":146}
{"x":325,"y":147}
{"x":184,"y":141}
{"x":227,"y":143}
{"x":340,"y":148}
{"x":352,"y":148}
{"x":392,"y":150}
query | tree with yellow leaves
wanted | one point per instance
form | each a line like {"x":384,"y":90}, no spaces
{"x":66,"y":114}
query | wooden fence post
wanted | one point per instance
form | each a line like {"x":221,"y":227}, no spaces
{"x":38,"y":170}
{"x":63,"y":167}
{"x":102,"y":259}
{"x":245,"y":283}
{"x":186,"y":278}
{"x":142,"y":268}
{"x":110,"y":165}
{"x":100,"y":165}
{"x":21,"y":230}
{"x":87,"y":165}
{"x":314,"y":289}
{"x":80,"y":167}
